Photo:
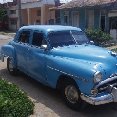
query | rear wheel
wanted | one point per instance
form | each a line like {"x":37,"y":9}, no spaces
{"x":12,"y":70}
{"x":71,"y":95}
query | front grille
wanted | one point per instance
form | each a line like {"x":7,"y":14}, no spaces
{"x":105,"y":84}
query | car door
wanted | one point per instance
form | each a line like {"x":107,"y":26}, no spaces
{"x":36,"y":57}
{"x":21,"y":47}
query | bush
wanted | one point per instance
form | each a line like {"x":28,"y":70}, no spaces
{"x":114,"y":50}
{"x":14,"y":102}
{"x":99,"y":37}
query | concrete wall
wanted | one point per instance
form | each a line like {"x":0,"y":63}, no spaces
{"x":90,"y":18}
{"x":75,"y":18}
{"x":96,"y":18}
{"x":13,"y":27}
{"x":29,"y":14}
{"x":24,"y":17}
{"x":47,"y":14}
{"x":36,"y":3}
{"x":83,"y":18}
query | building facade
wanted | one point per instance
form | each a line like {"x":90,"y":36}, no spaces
{"x":32,"y":12}
{"x":101,"y":14}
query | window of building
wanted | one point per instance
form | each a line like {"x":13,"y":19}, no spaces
{"x":13,"y":21}
{"x":38,"y":12}
{"x":66,"y":18}
{"x":37,"y":22}
{"x":12,"y":11}
{"x":51,"y":21}
{"x":112,"y":19}
{"x":103,"y":21}
{"x":113,"y":22}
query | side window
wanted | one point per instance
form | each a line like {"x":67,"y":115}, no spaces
{"x":38,"y":39}
{"x":24,"y":37}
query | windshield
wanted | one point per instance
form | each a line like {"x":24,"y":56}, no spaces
{"x":79,"y":37}
{"x":65,"y":38}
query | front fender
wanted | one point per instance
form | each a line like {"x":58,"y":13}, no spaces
{"x":81,"y":71}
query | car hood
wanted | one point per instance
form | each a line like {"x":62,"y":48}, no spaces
{"x":99,"y":58}
{"x":85,"y":52}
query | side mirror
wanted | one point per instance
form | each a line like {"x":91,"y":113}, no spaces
{"x":44,"y":47}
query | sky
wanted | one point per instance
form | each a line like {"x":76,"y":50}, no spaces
{"x":5,"y":1}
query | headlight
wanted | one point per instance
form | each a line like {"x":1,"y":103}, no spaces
{"x":97,"y":77}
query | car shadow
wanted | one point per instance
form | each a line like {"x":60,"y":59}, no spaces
{"x":51,"y":99}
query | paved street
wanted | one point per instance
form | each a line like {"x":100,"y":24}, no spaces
{"x":48,"y":102}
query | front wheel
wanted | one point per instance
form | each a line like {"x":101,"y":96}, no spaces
{"x":10,"y":67}
{"x":71,"y":95}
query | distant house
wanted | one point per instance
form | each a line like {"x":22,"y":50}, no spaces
{"x":32,"y":11}
{"x":90,"y":14}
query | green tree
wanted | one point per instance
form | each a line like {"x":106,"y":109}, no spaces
{"x":3,"y":13}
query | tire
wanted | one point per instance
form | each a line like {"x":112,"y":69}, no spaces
{"x":114,"y":106}
{"x":10,"y":67}
{"x":71,"y":96}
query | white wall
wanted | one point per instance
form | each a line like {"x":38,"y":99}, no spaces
{"x":35,"y":4}
{"x":65,"y":1}
{"x":112,"y":13}
{"x":90,"y":18}
{"x":13,"y":15}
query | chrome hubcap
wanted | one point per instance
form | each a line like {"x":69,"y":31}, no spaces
{"x":10,"y":65}
{"x":71,"y":94}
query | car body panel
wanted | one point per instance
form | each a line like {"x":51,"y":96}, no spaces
{"x":77,"y":61}
{"x":37,"y":63}
{"x":9,"y":51}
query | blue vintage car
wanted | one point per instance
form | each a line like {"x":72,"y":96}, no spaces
{"x":63,"y":58}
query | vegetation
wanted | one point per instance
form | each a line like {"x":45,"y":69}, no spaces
{"x":3,"y":13}
{"x":3,"y":19}
{"x":114,"y":50}
{"x":14,"y":102}
{"x":99,"y":37}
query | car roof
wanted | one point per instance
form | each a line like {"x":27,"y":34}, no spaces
{"x":49,"y":28}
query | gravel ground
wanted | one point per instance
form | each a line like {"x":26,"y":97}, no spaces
{"x":48,"y":102}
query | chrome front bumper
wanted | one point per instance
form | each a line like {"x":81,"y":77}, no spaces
{"x":111,"y":96}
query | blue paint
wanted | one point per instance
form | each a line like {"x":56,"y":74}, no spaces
{"x":78,"y":61}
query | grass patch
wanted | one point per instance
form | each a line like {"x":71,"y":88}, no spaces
{"x":13,"y":101}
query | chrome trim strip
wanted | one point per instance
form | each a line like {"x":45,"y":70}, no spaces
{"x":114,"y":93}
{"x":111,"y":96}
{"x":97,"y":100}
{"x":105,"y":81}
{"x":68,"y":74}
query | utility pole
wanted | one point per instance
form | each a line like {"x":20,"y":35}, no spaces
{"x":19,"y":13}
